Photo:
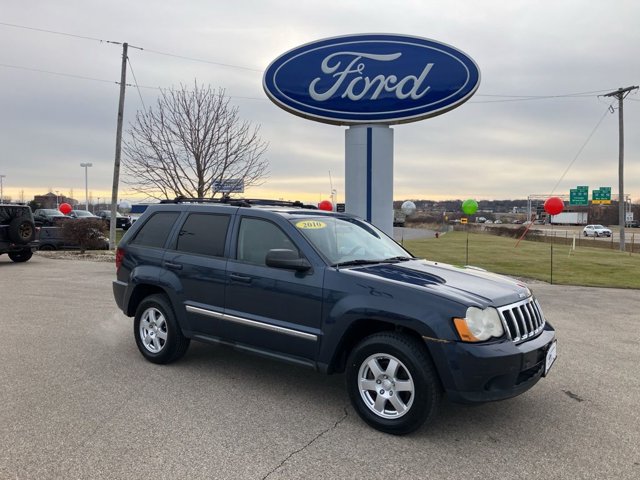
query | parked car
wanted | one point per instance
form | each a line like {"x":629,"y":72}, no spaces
{"x":52,"y":238}
{"x":48,"y":217}
{"x":632,"y":224}
{"x":81,"y":214}
{"x":122,"y":221}
{"x":596,"y":231}
{"x":17,"y":232}
{"x":330,"y":291}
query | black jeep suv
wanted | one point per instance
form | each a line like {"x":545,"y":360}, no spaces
{"x":17,"y":232}
{"x":332,"y":292}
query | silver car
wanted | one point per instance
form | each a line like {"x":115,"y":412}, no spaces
{"x":596,"y":231}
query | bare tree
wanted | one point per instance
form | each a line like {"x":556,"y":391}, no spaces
{"x":191,"y":139}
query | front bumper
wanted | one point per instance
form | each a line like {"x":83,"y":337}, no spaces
{"x":477,"y":373}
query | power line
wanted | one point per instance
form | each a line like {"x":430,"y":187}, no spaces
{"x":579,"y":94}
{"x":137,"y":85}
{"x":81,"y":77}
{"x":580,"y":150}
{"x":144,"y":107}
{"x":220,"y":64}
{"x":95,"y":39}
{"x":52,"y":32}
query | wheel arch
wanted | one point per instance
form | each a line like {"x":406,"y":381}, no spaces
{"x":139,"y":293}
{"x":359,"y":330}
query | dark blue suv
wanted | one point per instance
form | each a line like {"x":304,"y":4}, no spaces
{"x":332,"y":292}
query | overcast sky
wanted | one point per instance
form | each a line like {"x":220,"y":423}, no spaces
{"x":506,"y":142}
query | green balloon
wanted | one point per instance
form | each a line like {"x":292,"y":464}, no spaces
{"x":469,"y":207}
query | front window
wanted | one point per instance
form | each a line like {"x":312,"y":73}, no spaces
{"x":256,"y":237}
{"x":348,"y":240}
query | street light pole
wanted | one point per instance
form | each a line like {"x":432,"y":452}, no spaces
{"x":86,"y":184}
{"x":1,"y":189}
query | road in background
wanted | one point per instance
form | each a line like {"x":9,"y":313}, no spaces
{"x":79,"y":401}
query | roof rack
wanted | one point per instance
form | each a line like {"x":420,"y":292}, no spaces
{"x":242,"y":202}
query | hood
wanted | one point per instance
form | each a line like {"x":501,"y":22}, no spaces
{"x":463,"y":284}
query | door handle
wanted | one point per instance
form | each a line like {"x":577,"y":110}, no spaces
{"x":239,"y":278}
{"x":173,"y":266}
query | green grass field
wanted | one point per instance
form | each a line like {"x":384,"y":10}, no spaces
{"x":587,"y":266}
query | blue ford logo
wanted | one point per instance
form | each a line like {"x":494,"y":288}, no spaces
{"x":377,"y":78}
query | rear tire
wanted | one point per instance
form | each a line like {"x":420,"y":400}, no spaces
{"x":157,"y":333}
{"x":392,"y":383}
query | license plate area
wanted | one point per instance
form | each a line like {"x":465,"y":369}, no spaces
{"x":550,"y":358}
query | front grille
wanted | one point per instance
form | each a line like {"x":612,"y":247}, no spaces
{"x":522,"y":320}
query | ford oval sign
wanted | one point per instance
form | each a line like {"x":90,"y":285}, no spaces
{"x":372,"y":78}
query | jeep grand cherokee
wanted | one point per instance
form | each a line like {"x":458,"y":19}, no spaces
{"x":332,"y":292}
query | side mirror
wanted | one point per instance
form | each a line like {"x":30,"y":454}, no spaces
{"x":288,"y":259}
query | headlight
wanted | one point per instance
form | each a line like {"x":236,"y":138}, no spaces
{"x":479,"y":325}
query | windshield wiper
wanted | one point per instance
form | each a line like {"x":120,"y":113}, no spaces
{"x":356,"y":262}
{"x":400,"y":258}
{"x":361,"y":261}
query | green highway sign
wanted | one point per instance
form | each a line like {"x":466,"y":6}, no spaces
{"x":579,"y":195}
{"x":601,"y":196}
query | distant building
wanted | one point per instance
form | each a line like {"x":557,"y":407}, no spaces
{"x":51,"y":200}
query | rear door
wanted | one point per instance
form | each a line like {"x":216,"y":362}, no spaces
{"x":197,"y":258}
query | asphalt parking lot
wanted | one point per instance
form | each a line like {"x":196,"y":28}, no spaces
{"x":79,"y":401}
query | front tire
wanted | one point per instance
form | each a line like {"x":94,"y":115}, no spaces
{"x":21,"y":256}
{"x":157,"y":333}
{"x":392,"y":383}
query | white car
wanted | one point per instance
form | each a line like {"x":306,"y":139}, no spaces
{"x":596,"y":231}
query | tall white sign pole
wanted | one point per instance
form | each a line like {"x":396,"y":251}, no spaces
{"x":369,"y":174}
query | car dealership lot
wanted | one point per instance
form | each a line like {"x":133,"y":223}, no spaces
{"x":79,"y":401}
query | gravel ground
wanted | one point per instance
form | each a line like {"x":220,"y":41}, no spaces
{"x":91,"y":255}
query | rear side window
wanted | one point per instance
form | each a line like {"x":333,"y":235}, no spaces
{"x":203,"y":234}
{"x":155,"y":230}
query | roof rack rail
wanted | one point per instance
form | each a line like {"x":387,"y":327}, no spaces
{"x":242,"y":202}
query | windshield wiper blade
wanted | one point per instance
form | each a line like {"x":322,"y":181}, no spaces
{"x":356,"y":262}
{"x":400,"y":258}
{"x":361,"y":261}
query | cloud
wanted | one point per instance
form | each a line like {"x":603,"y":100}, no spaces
{"x":491,"y":147}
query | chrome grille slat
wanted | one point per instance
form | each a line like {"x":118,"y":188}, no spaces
{"x":522,"y":320}
{"x":532,"y":327}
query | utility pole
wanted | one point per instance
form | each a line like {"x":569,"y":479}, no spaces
{"x":1,"y":189}
{"x":116,"y":166}
{"x":620,"y":94}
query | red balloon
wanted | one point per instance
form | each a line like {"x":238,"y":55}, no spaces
{"x":326,"y":205}
{"x":553,"y":205}
{"x":65,"y":208}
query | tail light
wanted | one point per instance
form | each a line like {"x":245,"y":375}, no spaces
{"x":119,"y":256}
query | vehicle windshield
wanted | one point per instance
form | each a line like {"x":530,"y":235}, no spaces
{"x":83,"y":213}
{"x":349,"y":240}
{"x":52,"y":212}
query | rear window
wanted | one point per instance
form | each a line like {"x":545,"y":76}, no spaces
{"x":155,"y":230}
{"x":203,"y":234}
